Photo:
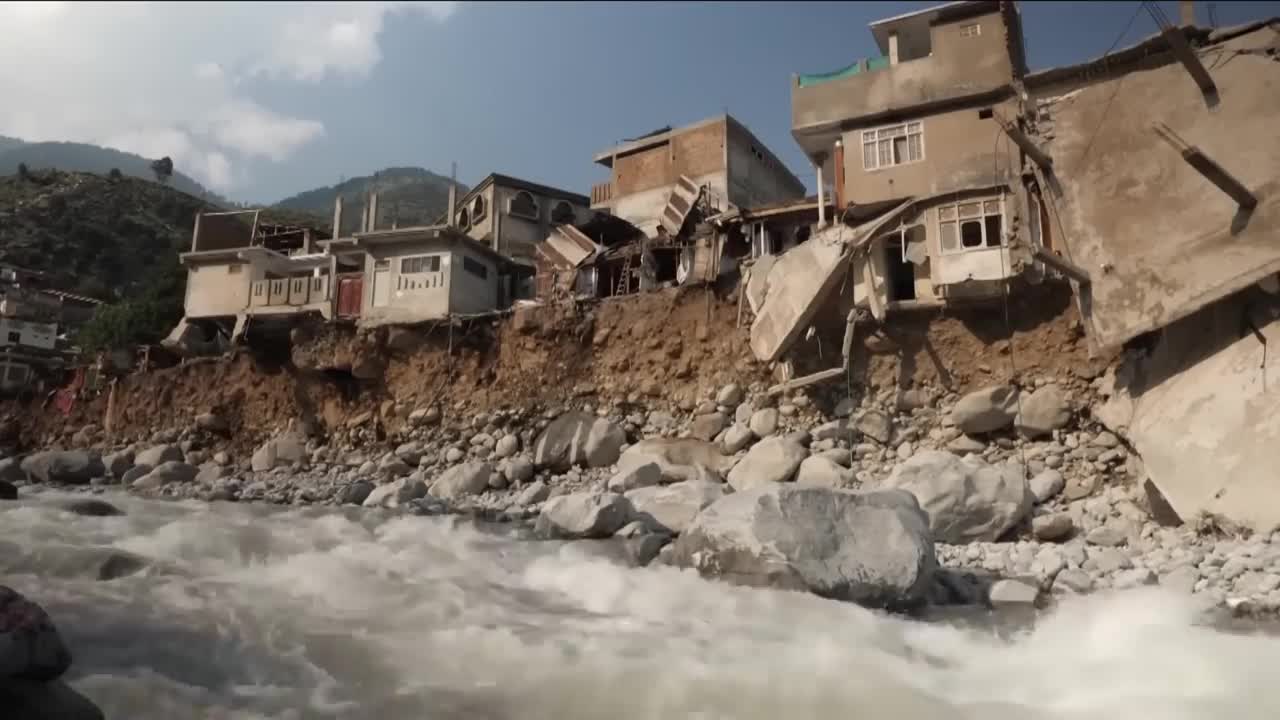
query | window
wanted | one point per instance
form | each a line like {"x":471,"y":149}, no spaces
{"x":477,"y":209}
{"x":426,"y":263}
{"x":892,"y":145}
{"x":985,"y":114}
{"x":971,"y":225}
{"x":475,"y":268}
{"x":971,"y":30}
{"x":15,"y":336}
{"x":464,"y":219}
{"x":562,"y":213}
{"x":234,"y":269}
{"x":381,"y":264}
{"x":523,"y":204}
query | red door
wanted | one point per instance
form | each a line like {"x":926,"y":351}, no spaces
{"x":350,"y":293}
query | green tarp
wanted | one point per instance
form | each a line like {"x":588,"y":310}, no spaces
{"x":860,"y":66}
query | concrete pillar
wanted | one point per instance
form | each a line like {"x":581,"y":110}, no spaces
{"x":822,"y":197}
{"x":373,"y":211}
{"x":838,"y":189}
{"x":893,"y":48}
{"x":1188,"y":9}
{"x":337,"y":216}
{"x":449,"y":219}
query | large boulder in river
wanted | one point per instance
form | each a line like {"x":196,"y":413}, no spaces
{"x":157,"y":455}
{"x":118,"y":463}
{"x":986,"y":410}
{"x":11,"y":471}
{"x":772,"y":460}
{"x":73,"y":467}
{"x":673,"y":507}
{"x":8,"y":491}
{"x":30,"y":646}
{"x":576,"y":438}
{"x":679,"y":459}
{"x":471,"y":478}
{"x":584,"y":515}
{"x":967,"y":500}
{"x":871,"y":548}
{"x":31,"y":700}
{"x":1042,"y":412}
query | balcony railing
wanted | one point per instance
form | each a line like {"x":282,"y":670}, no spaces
{"x":295,"y":291}
{"x":601,"y":193}
{"x":864,"y":65}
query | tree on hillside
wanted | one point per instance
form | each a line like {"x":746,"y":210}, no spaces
{"x":24,"y":172}
{"x":163,"y":168}
{"x":115,"y":175}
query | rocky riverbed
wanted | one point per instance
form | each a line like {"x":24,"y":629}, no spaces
{"x":1025,"y":497}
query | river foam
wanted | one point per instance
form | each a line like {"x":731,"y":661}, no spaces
{"x":252,"y":612}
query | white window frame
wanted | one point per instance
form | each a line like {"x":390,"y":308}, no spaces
{"x":971,"y":30}
{"x":419,"y":264}
{"x":880,"y":140}
{"x":949,"y":214}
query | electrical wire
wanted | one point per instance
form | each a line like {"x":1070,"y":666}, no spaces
{"x":1008,"y":324}
{"x":1084,"y":155}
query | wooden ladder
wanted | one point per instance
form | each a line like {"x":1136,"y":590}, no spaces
{"x":624,"y":284}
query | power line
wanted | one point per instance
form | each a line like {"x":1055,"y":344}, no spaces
{"x":1119,"y":82}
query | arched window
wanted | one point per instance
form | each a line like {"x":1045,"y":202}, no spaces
{"x":523,"y":204}
{"x":562,"y":213}
{"x":477,"y":209}
{"x":464,"y":219}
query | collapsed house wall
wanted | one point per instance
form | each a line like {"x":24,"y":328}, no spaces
{"x":1200,"y":408}
{"x":219,"y":289}
{"x":1156,"y":237}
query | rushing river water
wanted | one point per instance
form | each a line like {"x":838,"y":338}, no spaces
{"x":252,"y":612}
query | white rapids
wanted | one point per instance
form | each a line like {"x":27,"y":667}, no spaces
{"x":253,"y":612}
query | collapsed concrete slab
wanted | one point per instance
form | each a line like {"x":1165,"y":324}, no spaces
{"x":799,"y":282}
{"x":1200,"y":410}
{"x":1157,"y":238}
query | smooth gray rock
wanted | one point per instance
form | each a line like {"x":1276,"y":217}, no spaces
{"x":576,"y":438}
{"x":673,"y":507}
{"x":642,"y":549}
{"x":355,"y":493}
{"x":967,"y":500}
{"x":965,"y":444}
{"x":11,"y":471}
{"x":535,"y":493}
{"x":8,"y":491}
{"x":772,"y":460}
{"x":635,"y":477}
{"x":730,"y":395}
{"x":986,"y":410}
{"x":118,"y":463}
{"x":392,"y":466}
{"x":410,"y":452}
{"x":680,"y":459}
{"x":1182,"y":579}
{"x":1105,"y":537}
{"x":837,"y":430}
{"x":166,"y":474}
{"x":134,"y":473}
{"x":157,"y":455}
{"x":30,"y":646}
{"x":92,"y":507}
{"x":211,"y":422}
{"x":707,"y":427}
{"x":876,"y":425}
{"x":584,"y":515}
{"x":1051,"y":528}
{"x":53,"y":700}
{"x":1045,"y":485}
{"x":764,"y":422}
{"x":396,"y":493}
{"x":212,"y":473}
{"x":471,"y":478}
{"x":870,"y":548}
{"x":506,"y":446}
{"x":736,"y":438}
{"x":72,"y":467}
{"x":1043,"y":411}
{"x":1013,"y":592}
{"x":1073,"y":581}
{"x":821,"y":471}
{"x":518,"y":469}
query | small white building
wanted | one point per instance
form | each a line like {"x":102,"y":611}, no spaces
{"x":423,"y":273}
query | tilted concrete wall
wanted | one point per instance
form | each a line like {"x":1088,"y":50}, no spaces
{"x":1157,"y":238}
{"x":411,"y":297}
{"x":1201,"y":411}
{"x":756,"y":177}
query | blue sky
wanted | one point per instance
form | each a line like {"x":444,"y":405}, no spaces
{"x":263,"y":100}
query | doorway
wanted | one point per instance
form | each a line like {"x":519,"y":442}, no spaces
{"x":900,"y":275}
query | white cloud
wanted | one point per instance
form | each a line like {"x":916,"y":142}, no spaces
{"x":167,"y":79}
